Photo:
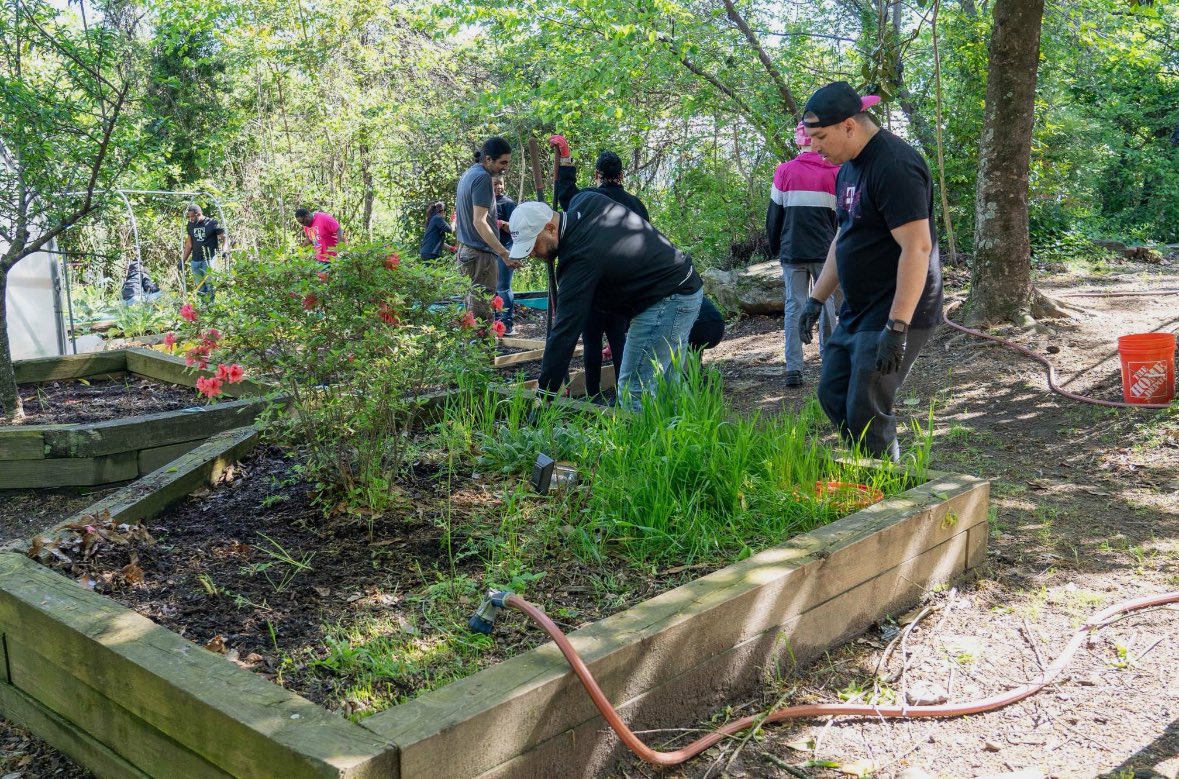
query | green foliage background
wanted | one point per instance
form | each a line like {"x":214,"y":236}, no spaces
{"x":372,"y":111}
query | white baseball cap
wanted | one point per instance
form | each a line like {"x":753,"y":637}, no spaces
{"x":526,"y":223}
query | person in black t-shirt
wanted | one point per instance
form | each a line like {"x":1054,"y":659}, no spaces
{"x":884,"y":258}
{"x":599,"y":323}
{"x":612,"y":258}
{"x":202,"y":242}
{"x":504,"y":206}
{"x":437,"y":228}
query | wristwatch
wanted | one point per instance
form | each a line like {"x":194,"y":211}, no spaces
{"x":897,"y":326}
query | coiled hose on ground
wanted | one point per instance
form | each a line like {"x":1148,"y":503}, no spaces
{"x":485,"y":617}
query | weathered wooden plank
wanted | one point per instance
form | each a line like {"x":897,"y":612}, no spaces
{"x":170,"y":368}
{"x":151,"y":430}
{"x":231,"y":717}
{"x":69,"y":367}
{"x":21,"y":444}
{"x":522,"y":343}
{"x":645,"y":646}
{"x":69,"y":471}
{"x":176,"y":479}
{"x":519,"y":357}
{"x":64,"y":735}
{"x":138,"y":742}
{"x":153,"y":459}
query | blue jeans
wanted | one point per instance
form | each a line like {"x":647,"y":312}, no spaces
{"x":799,"y":278}
{"x":503,"y":288}
{"x":655,"y":336}
{"x":201,"y":270}
{"x":856,"y":397}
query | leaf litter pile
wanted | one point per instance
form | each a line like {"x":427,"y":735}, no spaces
{"x":70,"y":401}
{"x":354,"y":613}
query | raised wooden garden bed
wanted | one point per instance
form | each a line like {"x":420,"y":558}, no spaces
{"x":88,"y":454}
{"x":127,"y":697}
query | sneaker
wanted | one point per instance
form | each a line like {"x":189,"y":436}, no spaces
{"x":510,"y":329}
{"x":793,"y":378}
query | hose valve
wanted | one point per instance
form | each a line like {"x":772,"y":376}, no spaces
{"x":483,"y":620}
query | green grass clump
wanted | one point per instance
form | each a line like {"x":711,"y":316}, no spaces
{"x":686,"y":479}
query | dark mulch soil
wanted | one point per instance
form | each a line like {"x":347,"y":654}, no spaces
{"x":196,"y":578}
{"x":24,"y":756}
{"x":80,"y":400}
{"x":24,"y":513}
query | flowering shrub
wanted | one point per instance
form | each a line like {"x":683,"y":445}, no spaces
{"x":355,"y":348}
{"x":198,"y":355}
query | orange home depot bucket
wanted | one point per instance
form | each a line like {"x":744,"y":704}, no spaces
{"x":1148,"y":367}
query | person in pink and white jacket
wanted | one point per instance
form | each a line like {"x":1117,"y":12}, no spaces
{"x":800,"y":225}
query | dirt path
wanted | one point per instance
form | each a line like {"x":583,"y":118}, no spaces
{"x":1085,"y":514}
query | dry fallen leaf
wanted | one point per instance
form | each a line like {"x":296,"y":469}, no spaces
{"x":860,"y":767}
{"x":216,"y":644}
{"x":802,"y":746}
{"x":132,"y":572}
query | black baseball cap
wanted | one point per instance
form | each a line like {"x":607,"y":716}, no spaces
{"x":835,"y":102}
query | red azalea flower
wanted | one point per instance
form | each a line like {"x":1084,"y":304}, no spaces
{"x":209,"y":387}
{"x":500,"y":328}
{"x":468,"y":321}
{"x":387,"y":315}
{"x":393,"y":260}
{"x":212,"y":335}
{"x":322,"y":276}
{"x":236,"y":373}
{"x":310,"y":301}
{"x":497,"y":303}
{"x":188,"y":312}
{"x":170,"y":340}
{"x":223,"y":372}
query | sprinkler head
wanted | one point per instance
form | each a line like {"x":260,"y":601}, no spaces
{"x":483,"y":620}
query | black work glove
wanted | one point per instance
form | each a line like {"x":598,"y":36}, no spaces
{"x":890,"y":351}
{"x":808,"y":318}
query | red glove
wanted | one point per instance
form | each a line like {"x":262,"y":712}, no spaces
{"x":561,"y":144}
{"x":450,"y":248}
{"x":501,"y":224}
{"x":607,"y":354}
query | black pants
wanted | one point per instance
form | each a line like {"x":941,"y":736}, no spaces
{"x":856,"y":397}
{"x":614,"y":327}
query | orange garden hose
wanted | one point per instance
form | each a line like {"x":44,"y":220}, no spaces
{"x":1051,"y":370}
{"x":485,"y":617}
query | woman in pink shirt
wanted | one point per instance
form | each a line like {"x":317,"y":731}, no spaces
{"x":322,"y":231}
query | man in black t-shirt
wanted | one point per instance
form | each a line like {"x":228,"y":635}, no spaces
{"x":884,"y":258}
{"x":599,"y":323}
{"x":612,"y":258}
{"x":203,"y":240}
{"x":504,"y":206}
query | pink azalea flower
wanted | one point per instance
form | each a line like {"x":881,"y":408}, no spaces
{"x":188,"y":312}
{"x":468,"y":321}
{"x":499,"y":328}
{"x":310,"y":301}
{"x":209,"y":387}
{"x":393,"y":260}
{"x":170,"y":340}
{"x":497,"y":303}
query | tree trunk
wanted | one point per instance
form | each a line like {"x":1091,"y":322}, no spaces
{"x":10,"y":405}
{"x":1001,"y":282}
